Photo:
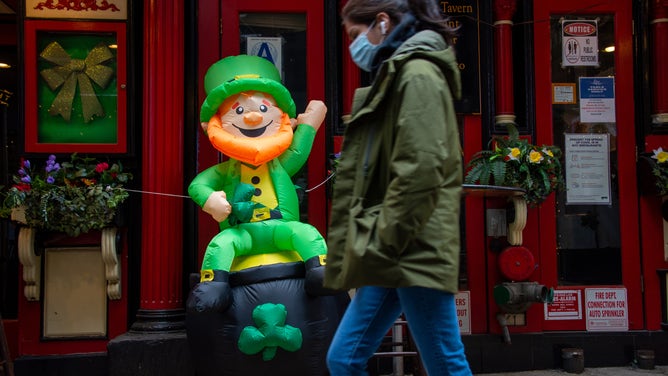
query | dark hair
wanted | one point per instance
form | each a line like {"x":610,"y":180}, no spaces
{"x":427,"y":13}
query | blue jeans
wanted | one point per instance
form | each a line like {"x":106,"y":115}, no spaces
{"x":432,"y":321}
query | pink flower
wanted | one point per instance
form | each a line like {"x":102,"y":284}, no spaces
{"x":101,"y":167}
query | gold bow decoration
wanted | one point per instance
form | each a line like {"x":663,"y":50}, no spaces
{"x":68,"y":72}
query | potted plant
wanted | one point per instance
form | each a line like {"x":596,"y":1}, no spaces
{"x":514,"y":162}
{"x":653,"y":172}
{"x":71,"y":197}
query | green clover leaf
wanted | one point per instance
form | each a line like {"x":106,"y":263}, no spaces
{"x":270,"y":333}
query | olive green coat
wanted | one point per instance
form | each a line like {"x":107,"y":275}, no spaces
{"x":395,"y":209}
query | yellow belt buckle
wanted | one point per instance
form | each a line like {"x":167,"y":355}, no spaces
{"x":206,"y":275}
{"x":261,"y":214}
{"x":322,"y":259}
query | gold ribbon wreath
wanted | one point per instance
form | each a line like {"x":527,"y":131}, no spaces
{"x":68,"y":72}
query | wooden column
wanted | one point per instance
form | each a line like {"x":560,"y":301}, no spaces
{"x":161,"y":305}
{"x":503,"y":56}
{"x":659,"y":30}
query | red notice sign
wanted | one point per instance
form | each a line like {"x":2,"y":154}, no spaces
{"x":566,"y":306}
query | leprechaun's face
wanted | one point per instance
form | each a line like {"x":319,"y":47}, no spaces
{"x":250,"y":127}
{"x":251,"y":114}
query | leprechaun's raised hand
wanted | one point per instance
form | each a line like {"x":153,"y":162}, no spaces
{"x":314,"y":114}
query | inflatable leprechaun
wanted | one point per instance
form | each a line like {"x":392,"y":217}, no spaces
{"x":259,"y":307}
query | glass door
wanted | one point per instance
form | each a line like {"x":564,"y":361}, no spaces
{"x":291,"y":35}
{"x":584,"y":88}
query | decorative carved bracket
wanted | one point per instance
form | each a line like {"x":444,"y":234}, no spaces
{"x":112,"y":266}
{"x":32,"y":263}
{"x":517,"y":226}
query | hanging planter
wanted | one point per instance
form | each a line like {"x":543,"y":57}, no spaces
{"x":653,"y":173}
{"x":73,"y":198}
{"x":514,"y":162}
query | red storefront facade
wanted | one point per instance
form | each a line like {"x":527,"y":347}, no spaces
{"x":604,"y":256}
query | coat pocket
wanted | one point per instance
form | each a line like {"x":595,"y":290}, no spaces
{"x":362,"y":246}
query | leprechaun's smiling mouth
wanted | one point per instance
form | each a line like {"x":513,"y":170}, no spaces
{"x":256,"y":132}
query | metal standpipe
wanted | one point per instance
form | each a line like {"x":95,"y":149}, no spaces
{"x":517,"y":297}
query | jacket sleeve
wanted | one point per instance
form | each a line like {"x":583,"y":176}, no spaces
{"x":422,"y":162}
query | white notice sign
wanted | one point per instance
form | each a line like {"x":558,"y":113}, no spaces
{"x":597,"y":99}
{"x":463,"y":303}
{"x":579,"y":43}
{"x":587,"y":158}
{"x":606,"y":310}
{"x":268,"y":48}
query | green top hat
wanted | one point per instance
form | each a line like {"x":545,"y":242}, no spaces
{"x":236,"y":74}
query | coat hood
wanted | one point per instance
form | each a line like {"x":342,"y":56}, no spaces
{"x":427,"y":45}
{"x":431,"y":46}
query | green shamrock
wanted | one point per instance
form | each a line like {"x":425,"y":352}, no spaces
{"x":270,"y":333}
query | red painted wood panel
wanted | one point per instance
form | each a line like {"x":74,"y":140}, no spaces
{"x":162,"y":156}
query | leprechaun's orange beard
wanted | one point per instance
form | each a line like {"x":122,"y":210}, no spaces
{"x":254,"y":151}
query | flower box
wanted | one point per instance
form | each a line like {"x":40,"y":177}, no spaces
{"x":514,"y":162}
{"x":653,"y":173}
{"x":73,"y":198}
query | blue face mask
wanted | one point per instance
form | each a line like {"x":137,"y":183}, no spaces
{"x":362,"y":51}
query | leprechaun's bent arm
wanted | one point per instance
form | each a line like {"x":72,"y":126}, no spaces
{"x":297,"y":153}
{"x":211,"y":188}
{"x":206,"y":182}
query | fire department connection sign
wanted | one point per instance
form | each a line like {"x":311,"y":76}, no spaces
{"x":606,"y":310}
{"x":579,"y":43}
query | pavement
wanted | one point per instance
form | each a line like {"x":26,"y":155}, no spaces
{"x":605,"y":371}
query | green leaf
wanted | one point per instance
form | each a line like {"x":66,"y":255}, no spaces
{"x":498,"y":168}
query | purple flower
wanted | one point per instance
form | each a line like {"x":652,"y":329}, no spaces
{"x":51,"y":165}
{"x":26,"y":179}
{"x":50,"y":180}
{"x":22,"y":172}
{"x":52,"y":158}
{"x":26,"y":163}
{"x":49,"y":168}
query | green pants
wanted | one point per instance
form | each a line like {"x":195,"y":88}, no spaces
{"x":257,"y":238}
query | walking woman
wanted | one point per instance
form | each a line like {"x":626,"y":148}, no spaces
{"x":394,"y":230}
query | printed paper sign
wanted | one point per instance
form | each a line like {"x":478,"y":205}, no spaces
{"x":606,"y":310}
{"x":463,"y":303}
{"x":563,"y":93}
{"x":597,"y":99}
{"x":579,"y":40}
{"x":268,"y":48}
{"x":565,"y":306}
{"x":587,"y":159}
